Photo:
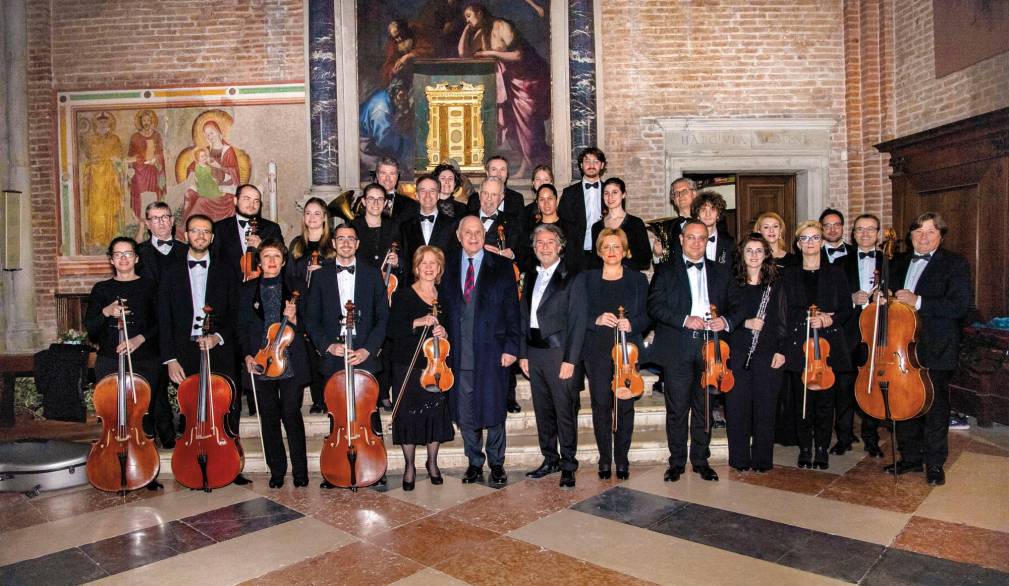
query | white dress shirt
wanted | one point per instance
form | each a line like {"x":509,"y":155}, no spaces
{"x":866,"y":272}
{"x":345,"y":284}
{"x":198,"y":288}
{"x":841,"y":250}
{"x":543,"y":276}
{"x":699,"y":305}
{"x":711,"y":248}
{"x":427,"y":228}
{"x":914,"y":271}
{"x":593,"y":211}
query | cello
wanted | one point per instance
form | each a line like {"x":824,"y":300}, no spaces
{"x":249,"y":261}
{"x":208,"y":455}
{"x":817,"y":375}
{"x":123,"y":458}
{"x":272,"y":358}
{"x":391,"y":281}
{"x":352,"y":454}
{"x":437,"y":376}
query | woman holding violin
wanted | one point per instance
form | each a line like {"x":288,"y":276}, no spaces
{"x":422,"y":416}
{"x":615,"y":216}
{"x":277,"y":360}
{"x":607,"y":290}
{"x":757,"y":355}
{"x":816,"y":344}
{"x":306,"y":254}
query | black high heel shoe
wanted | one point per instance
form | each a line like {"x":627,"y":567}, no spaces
{"x":408,"y":485}
{"x":435,"y":480}
{"x":623,"y":473}
{"x":605,"y":472}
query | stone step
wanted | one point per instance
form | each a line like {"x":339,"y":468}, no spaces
{"x":648,"y":446}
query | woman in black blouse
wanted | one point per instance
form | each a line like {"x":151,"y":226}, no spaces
{"x":807,"y":283}
{"x":544,"y":212}
{"x":615,"y":216}
{"x":750,"y":407}
{"x":315,"y":237}
{"x":608,"y":289}
{"x":774,"y":229}
{"x":423,"y":417}
{"x":449,"y":182}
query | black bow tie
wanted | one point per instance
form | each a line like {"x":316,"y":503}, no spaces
{"x":427,"y":218}
{"x":592,"y":185}
{"x":696,"y":265}
{"x":925,"y":257}
{"x":711,"y":239}
{"x":483,"y":218}
{"x":833,"y":251}
{"x":160,"y":242}
{"x":341,"y":268}
{"x":870,"y":254}
{"x":243,"y":223}
{"x":202,"y":263}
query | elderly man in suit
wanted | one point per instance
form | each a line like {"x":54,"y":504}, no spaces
{"x":553,"y":328}
{"x":480,"y":300}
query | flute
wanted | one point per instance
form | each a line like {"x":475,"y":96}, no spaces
{"x":761,"y":313}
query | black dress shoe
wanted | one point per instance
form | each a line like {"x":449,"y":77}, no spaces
{"x":605,"y":472}
{"x":657,"y":387}
{"x":623,"y":473}
{"x":741,"y":468}
{"x":873,"y":450}
{"x":436,"y":479}
{"x":276,"y":482}
{"x":672,"y":473}
{"x":805,"y":458}
{"x":497,"y":475}
{"x":706,"y":472}
{"x":514,"y":408}
{"x":935,"y":476}
{"x":568,"y":479}
{"x":473,"y":474}
{"x":821,"y":461}
{"x":545,"y":469}
{"x":327,"y":485}
{"x":840,"y":448}
{"x":300,"y":482}
{"x":154,"y":485}
{"x":317,"y":409}
{"x":168,"y":443}
{"x":903,"y":467}
{"x":241,"y":480}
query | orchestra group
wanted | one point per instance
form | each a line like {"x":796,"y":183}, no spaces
{"x":431,"y":306}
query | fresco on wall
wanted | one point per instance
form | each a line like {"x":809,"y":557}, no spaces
{"x":405,"y":45}
{"x":118,"y":155}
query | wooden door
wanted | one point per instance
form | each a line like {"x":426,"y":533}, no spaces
{"x":756,"y":194}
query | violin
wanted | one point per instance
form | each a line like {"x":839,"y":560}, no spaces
{"x":437,"y":375}
{"x":123,"y":458}
{"x":717,"y":378}
{"x":892,"y":385}
{"x":250,"y":261}
{"x":272,"y":359}
{"x":502,"y":244}
{"x":313,"y":261}
{"x":352,"y":454}
{"x":817,"y":374}
{"x":391,"y":281}
{"x":208,"y":455}
{"x":627,"y":381}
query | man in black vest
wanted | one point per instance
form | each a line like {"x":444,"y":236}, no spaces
{"x":553,"y":328}
{"x":581,"y":206}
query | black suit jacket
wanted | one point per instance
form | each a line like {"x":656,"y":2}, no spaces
{"x":670,"y":301}
{"x":152,"y":262}
{"x":824,"y":258}
{"x":175,"y":316}
{"x":561,"y":314}
{"x":832,"y":296}
{"x":946,"y":295}
{"x":725,"y":249}
{"x":849,"y":263}
{"x":227,"y":246}
{"x":403,"y":208}
{"x":412,"y":237}
{"x":251,"y":331}
{"x":637,"y":241}
{"x":323,"y":315}
{"x":514,"y":204}
{"x":572,"y":209}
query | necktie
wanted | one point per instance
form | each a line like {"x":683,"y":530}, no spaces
{"x":696,"y":265}
{"x":341,"y":268}
{"x":202,"y":263}
{"x":925,"y":257}
{"x":243,"y":223}
{"x":833,"y":251}
{"x":592,"y":185}
{"x":870,"y":254}
{"x":467,"y":288}
{"x":427,"y":218}
{"x":160,"y":242}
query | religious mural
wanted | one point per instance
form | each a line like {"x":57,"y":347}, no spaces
{"x":407,"y":48}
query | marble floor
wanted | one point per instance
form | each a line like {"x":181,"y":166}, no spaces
{"x":848,"y":524}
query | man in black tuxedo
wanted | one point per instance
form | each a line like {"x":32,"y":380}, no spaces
{"x":861,"y":270}
{"x":513,"y":204}
{"x":233,"y":236}
{"x":398,"y":206}
{"x":187,"y":285}
{"x":834,"y":246}
{"x":430,"y":227}
{"x":553,"y":329}
{"x":679,"y":301}
{"x":937,"y":283}
{"x":709,"y":208}
{"x":581,"y":206}
{"x":482,"y":318}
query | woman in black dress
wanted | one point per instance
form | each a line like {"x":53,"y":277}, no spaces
{"x":810,"y":282}
{"x":449,"y":185}
{"x":315,"y":237}
{"x":615,"y":216}
{"x":423,"y":417}
{"x":608,"y":289}
{"x":751,"y":406}
{"x":544,"y":212}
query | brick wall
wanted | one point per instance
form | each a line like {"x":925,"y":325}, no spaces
{"x":95,"y":44}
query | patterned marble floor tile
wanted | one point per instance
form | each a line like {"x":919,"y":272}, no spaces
{"x":145,"y":546}
{"x":974,"y":493}
{"x":905,"y":567}
{"x":811,"y":482}
{"x":70,"y":566}
{"x":429,"y":577}
{"x":241,"y":518}
{"x":432,"y":539}
{"x":957,"y":542}
{"x":356,"y":563}
{"x":633,"y":507}
{"x":367,"y":513}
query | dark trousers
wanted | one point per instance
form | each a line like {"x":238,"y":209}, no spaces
{"x":280,"y":402}
{"x":513,"y":373}
{"x":555,"y":403}
{"x":612,"y":446}
{"x":785,"y":430}
{"x":926,"y":438}
{"x":384,"y":377}
{"x":749,"y":414}
{"x":844,"y":407}
{"x":472,"y":436}
{"x":318,"y":384}
{"x":817,"y":425}
{"x":685,"y":404}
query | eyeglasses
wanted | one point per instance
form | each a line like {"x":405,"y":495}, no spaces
{"x":346,"y":239}
{"x":374,"y":200}
{"x":123,"y":254}
{"x":866,"y":230}
{"x":810,"y":238}
{"x":159,"y":219}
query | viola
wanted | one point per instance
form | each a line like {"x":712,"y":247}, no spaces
{"x":627,"y":382}
{"x":437,"y":375}
{"x":272,"y":359}
{"x":391,"y":281}
{"x":352,"y":455}
{"x":817,"y":374}
{"x":249,"y":261}
{"x":892,"y":385}
{"x":502,"y":243}
{"x":123,"y":458}
{"x":208,"y":455}
{"x":716,"y":378}
{"x":313,"y":261}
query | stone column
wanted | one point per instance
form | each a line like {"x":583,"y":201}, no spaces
{"x":21,"y":332}
{"x":582,"y":72}
{"x":322,"y":97}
